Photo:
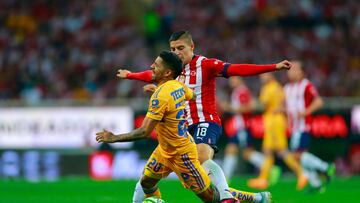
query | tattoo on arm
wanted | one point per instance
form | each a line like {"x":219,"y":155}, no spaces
{"x":136,"y":134}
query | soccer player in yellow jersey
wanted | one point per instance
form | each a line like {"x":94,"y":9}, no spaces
{"x":176,"y":151}
{"x":275,"y":140}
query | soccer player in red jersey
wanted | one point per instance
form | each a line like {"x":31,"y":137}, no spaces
{"x":302,"y":99}
{"x":199,"y":73}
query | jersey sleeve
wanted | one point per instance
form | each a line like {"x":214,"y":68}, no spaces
{"x":158,"y":105}
{"x":311,"y":92}
{"x":214,"y":67}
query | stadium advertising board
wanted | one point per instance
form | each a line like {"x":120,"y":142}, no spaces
{"x":61,"y":127}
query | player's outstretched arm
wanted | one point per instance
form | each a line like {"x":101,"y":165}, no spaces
{"x":145,"y":76}
{"x":253,"y":69}
{"x":144,"y":131}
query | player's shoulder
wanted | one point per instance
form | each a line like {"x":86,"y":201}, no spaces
{"x":165,"y":89}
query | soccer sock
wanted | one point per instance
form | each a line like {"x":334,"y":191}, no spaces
{"x":217,"y":177}
{"x":291,"y":162}
{"x":311,"y":162}
{"x":229,"y":165}
{"x":247,"y":197}
{"x":256,"y":159}
{"x":265,"y":169}
{"x":152,"y":192}
{"x":139,"y":195}
{"x":313,"y":178}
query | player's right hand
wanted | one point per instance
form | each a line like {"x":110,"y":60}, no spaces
{"x":285,"y":64}
{"x":149,"y":88}
{"x":105,"y":136}
{"x":122,"y":73}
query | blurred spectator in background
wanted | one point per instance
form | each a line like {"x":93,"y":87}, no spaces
{"x":68,"y":49}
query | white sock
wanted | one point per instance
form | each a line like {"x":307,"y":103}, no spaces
{"x":229,"y":165}
{"x":256,"y":159}
{"x":314,"y":179}
{"x":311,"y":162}
{"x":139,"y":195}
{"x":217,"y":178}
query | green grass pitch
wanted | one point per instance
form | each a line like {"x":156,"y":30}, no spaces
{"x":72,"y":190}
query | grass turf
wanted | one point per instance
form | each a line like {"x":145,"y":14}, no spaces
{"x":86,"y":190}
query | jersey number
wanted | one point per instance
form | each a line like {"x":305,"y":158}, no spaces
{"x":181,"y":126}
{"x":201,"y":132}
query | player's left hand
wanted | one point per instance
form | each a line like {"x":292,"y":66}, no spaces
{"x":105,"y":136}
{"x":285,"y":64}
{"x":122,"y":73}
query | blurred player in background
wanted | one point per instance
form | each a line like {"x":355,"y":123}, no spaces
{"x":176,"y":150}
{"x":275,"y":140}
{"x":237,"y":128}
{"x":199,"y":74}
{"x":302,"y":99}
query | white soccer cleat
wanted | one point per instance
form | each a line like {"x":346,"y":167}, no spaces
{"x":266,"y":197}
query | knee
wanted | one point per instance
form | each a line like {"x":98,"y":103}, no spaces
{"x":205,"y":152}
{"x":146,"y":183}
{"x":203,"y":157}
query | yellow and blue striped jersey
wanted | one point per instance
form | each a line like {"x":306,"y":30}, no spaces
{"x":167,"y":105}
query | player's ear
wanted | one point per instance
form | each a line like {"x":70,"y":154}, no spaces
{"x":168,"y":73}
{"x":192,"y":46}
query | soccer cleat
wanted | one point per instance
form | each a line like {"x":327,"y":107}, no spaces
{"x":258,"y":183}
{"x":231,"y":200}
{"x":266,"y":197}
{"x":275,"y":175}
{"x":301,"y":182}
{"x":330,"y":172}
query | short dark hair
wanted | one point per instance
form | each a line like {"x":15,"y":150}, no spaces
{"x":183,"y":34}
{"x":172,"y":61}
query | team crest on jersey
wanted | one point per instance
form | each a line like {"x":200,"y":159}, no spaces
{"x":155,"y":103}
{"x":193,"y":73}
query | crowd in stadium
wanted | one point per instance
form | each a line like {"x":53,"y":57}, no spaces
{"x":73,"y":51}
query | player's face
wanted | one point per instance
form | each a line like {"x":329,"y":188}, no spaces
{"x":235,"y":81}
{"x":159,"y":71}
{"x":183,"y":49}
{"x":295,"y":74}
{"x":265,"y":78}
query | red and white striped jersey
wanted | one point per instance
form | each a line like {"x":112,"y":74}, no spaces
{"x":299,"y":96}
{"x":200,"y":76}
{"x":241,"y":96}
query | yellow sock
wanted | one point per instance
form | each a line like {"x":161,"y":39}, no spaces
{"x":291,"y":162}
{"x":153,"y":192}
{"x":266,"y":167}
{"x":242,"y":196}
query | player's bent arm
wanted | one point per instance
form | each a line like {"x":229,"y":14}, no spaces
{"x":146,"y":76}
{"x":143,"y":132}
{"x":316,"y":104}
{"x":253,"y":69}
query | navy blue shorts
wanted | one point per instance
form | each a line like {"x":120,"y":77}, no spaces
{"x":207,"y":133}
{"x":300,"y":141}
{"x":242,"y":138}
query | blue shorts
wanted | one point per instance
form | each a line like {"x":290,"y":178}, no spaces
{"x":207,"y":133}
{"x":299,"y":141}
{"x":242,"y":138}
